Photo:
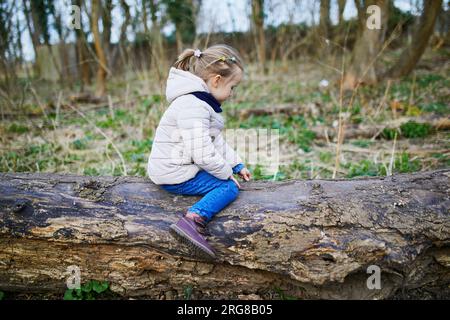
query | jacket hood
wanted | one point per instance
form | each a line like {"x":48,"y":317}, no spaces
{"x":182,"y":82}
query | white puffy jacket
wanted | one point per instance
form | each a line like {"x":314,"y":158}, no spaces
{"x":188,"y":137}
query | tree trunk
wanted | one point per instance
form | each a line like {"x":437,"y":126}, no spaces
{"x":324,"y":23}
{"x":107,"y":25}
{"x":310,"y":239}
{"x":144,"y":17}
{"x":120,"y":49}
{"x":258,"y":22}
{"x":82,"y":54}
{"x":360,"y":7}
{"x":158,"y":61}
{"x":362,"y":65}
{"x":179,"y":39}
{"x":101,"y":71}
{"x":411,"y":55}
{"x":34,"y":34}
{"x":341,"y":8}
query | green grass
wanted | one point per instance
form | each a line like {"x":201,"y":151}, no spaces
{"x":364,"y":168}
{"x":31,"y":159}
{"x":80,"y":144}
{"x":258,"y":173}
{"x":291,"y":128}
{"x":413,"y":129}
{"x":137,"y":156}
{"x":436,"y":107}
{"x":430,"y":80}
{"x":443,"y":159}
{"x":362,"y":143}
{"x":91,"y":155}
{"x":410,"y":129}
{"x":17,"y":128}
{"x":326,"y":157}
{"x":402,"y":164}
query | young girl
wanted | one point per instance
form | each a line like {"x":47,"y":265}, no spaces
{"x":189,"y":155}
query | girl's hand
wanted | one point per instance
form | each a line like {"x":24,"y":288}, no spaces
{"x":245,"y":174}
{"x":235,"y":181}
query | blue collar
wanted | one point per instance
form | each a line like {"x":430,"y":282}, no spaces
{"x":209,"y":99}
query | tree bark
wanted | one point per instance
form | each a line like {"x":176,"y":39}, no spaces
{"x":158,"y":61}
{"x":82,"y":54}
{"x":181,"y":12}
{"x":341,"y":8}
{"x":107,"y":25}
{"x":120,"y":49}
{"x":324,"y":23}
{"x":34,"y":35}
{"x":360,"y":7}
{"x":310,"y":239}
{"x":102,"y":64}
{"x":411,"y":55}
{"x":258,"y":22}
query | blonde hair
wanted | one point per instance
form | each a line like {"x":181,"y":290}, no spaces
{"x":218,"y":59}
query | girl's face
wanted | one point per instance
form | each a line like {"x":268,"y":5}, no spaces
{"x":222,"y":88}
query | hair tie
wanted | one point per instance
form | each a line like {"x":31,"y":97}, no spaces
{"x":197,"y":53}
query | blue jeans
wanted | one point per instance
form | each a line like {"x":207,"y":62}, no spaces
{"x":217,"y":193}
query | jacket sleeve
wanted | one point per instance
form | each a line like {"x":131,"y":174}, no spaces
{"x":194,"y":125}
{"x":238,"y":168}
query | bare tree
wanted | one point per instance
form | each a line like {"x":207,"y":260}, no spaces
{"x":6,"y":32}
{"x":82,"y":53}
{"x":258,"y":24}
{"x":120,"y":48}
{"x":341,"y":7}
{"x":158,"y":54}
{"x":360,"y":7}
{"x":412,"y":53}
{"x":107,"y":24}
{"x":366,"y":49}
{"x":102,"y":63}
{"x":324,"y":23}
{"x":34,"y":32}
{"x":181,"y":13}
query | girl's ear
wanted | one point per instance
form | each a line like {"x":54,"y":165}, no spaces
{"x":215,"y":80}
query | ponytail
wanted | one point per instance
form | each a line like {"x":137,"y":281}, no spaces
{"x":183,"y":61}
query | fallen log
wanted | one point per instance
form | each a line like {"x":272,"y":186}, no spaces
{"x":311,"y":109}
{"x":353,"y":131}
{"x":308,"y":239}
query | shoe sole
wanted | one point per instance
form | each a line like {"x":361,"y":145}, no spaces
{"x":198,"y":250}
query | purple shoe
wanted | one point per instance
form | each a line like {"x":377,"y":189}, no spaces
{"x":189,"y":232}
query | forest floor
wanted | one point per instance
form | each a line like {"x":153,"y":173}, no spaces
{"x":47,"y":130}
